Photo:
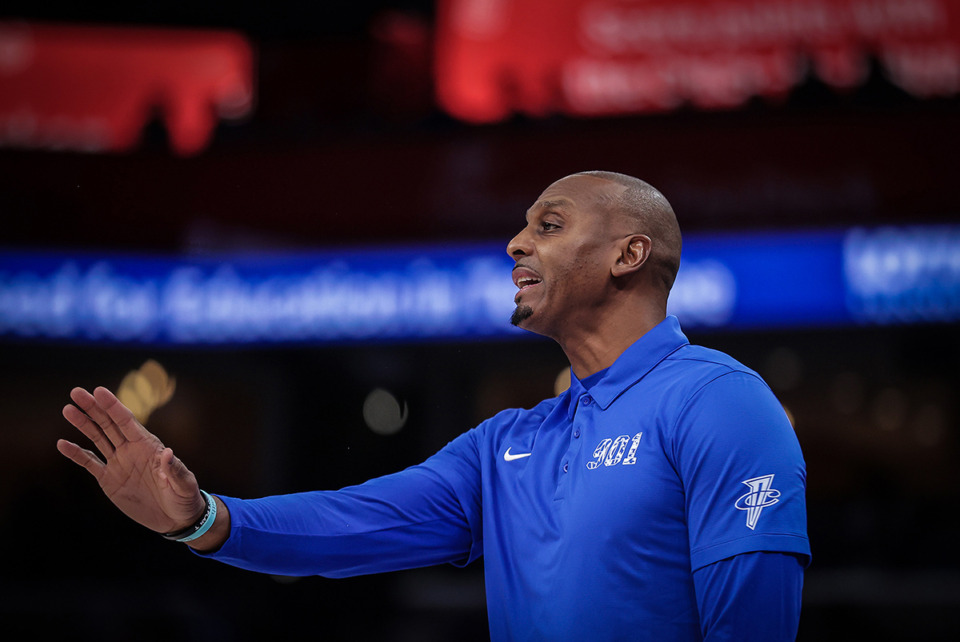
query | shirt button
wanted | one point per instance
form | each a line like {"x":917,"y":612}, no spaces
{"x":576,"y":433}
{"x":566,"y":467}
{"x":587,"y":400}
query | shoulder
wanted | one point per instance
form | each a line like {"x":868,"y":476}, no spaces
{"x":701,"y":389}
{"x":692,"y":368}
{"x":514,"y":418}
{"x":698,"y":359}
{"x":689,"y":374}
{"x":486,"y":437}
{"x":464,"y":459}
{"x":721,"y":402}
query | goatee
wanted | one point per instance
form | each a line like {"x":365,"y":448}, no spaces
{"x":521,"y":314}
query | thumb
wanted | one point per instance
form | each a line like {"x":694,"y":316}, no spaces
{"x":176,"y":475}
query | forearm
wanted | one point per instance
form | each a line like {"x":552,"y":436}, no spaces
{"x":401,"y":521}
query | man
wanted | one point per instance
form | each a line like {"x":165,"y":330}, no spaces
{"x":661,"y":497}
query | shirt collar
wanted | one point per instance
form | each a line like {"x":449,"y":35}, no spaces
{"x":635,"y":362}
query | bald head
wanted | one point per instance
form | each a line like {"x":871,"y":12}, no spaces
{"x":648,"y":212}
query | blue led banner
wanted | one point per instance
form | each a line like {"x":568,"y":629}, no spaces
{"x":749,"y":281}
{"x":326,"y":297}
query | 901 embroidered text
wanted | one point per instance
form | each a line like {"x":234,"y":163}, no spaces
{"x":610,"y":451}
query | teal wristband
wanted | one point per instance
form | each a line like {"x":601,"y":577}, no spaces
{"x":202,"y":526}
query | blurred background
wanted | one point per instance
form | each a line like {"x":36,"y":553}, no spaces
{"x":279,"y":230}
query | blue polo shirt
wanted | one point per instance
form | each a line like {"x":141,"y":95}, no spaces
{"x":593,"y":511}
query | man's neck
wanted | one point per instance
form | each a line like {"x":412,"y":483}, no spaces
{"x":593,"y":350}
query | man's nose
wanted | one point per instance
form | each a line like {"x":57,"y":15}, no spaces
{"x":519,"y":245}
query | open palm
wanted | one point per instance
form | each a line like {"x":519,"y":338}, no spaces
{"x":138,"y":473}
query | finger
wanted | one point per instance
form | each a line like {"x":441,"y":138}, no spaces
{"x":121,"y":417}
{"x":173,"y":472}
{"x":90,"y":429}
{"x":163,"y":470}
{"x":94,"y":409}
{"x":81,"y":457}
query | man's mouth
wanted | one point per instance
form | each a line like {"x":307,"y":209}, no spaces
{"x":526,"y":282}
{"x":525,"y":278}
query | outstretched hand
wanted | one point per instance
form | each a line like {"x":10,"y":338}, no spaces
{"x":137,"y":472}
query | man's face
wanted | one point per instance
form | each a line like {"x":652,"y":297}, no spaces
{"x":564,"y":255}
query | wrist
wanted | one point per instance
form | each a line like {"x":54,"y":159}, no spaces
{"x":214,"y":538}
{"x":201,"y":526}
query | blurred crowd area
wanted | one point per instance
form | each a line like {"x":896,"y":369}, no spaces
{"x":346,"y":147}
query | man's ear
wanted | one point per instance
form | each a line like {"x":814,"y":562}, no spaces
{"x":634,"y":252}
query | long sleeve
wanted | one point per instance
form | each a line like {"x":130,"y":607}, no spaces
{"x":424,"y":515}
{"x":751,"y":597}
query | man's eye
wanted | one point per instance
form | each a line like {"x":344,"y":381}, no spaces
{"x":545,"y":226}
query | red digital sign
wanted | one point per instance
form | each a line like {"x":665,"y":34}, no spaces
{"x":93,"y":89}
{"x":608,"y":57}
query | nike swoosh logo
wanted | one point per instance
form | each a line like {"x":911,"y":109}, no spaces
{"x":508,"y":457}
